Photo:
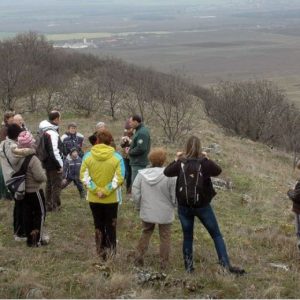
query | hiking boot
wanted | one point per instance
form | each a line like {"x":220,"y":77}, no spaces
{"x":33,"y":238}
{"x":236,"y":270}
{"x":189,"y":263}
{"x":18,"y":238}
{"x":45,"y":239}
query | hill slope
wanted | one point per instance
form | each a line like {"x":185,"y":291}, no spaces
{"x":254,"y":217}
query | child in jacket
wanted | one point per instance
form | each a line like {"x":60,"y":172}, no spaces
{"x":72,"y":165}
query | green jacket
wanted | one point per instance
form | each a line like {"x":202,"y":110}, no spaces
{"x":140,"y":147}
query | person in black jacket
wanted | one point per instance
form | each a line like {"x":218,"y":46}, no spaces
{"x":72,"y":139}
{"x":294,"y":195}
{"x":194,"y":201}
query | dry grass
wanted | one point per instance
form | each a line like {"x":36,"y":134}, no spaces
{"x":257,"y":233}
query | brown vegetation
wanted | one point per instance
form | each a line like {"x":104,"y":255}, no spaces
{"x":258,"y":110}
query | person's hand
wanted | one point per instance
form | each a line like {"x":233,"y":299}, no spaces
{"x":178,"y":155}
{"x":60,"y":171}
{"x":64,"y":181}
{"x":100,"y":194}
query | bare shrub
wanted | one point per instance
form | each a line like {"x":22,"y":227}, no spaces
{"x":111,"y":87}
{"x":140,"y":82}
{"x":173,"y":106}
{"x":35,"y":53}
{"x":12,"y":69}
{"x":258,"y":110}
{"x":81,"y":96}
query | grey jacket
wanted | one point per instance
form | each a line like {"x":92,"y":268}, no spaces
{"x":35,"y":175}
{"x":154,"y":194}
{"x":15,"y":156}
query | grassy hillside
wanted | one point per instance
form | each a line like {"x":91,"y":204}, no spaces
{"x":254,"y":216}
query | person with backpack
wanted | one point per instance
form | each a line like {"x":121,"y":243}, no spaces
{"x":72,"y":165}
{"x":72,"y":139}
{"x":154,"y":196}
{"x":34,"y":201}
{"x":294,"y":195}
{"x":12,"y":160}
{"x":50,"y":151}
{"x":102,"y":171}
{"x":194,"y":192}
{"x":18,"y":119}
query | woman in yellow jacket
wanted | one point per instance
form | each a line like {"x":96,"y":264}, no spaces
{"x":103,"y":171}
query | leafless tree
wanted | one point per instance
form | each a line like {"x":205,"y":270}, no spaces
{"x":35,"y":52}
{"x":173,"y":106}
{"x":58,"y":76}
{"x":111,"y":84}
{"x":141,"y":82}
{"x":81,"y":96}
{"x":12,"y":67}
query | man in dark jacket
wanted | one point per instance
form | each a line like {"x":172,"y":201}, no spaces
{"x":72,"y":139}
{"x":294,"y":195}
{"x":139,"y":147}
{"x":53,"y":163}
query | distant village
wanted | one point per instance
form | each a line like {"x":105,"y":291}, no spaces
{"x":113,"y":41}
{"x":103,"y":42}
{"x":76,"y":45}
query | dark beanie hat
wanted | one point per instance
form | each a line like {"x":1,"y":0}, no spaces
{"x":93,"y":138}
{"x":13,"y":131}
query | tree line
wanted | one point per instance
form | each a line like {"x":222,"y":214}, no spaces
{"x":257,"y":110}
{"x":35,"y":76}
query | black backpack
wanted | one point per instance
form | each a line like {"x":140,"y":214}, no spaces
{"x":40,"y":140}
{"x":190,"y":182}
{"x":16,"y":184}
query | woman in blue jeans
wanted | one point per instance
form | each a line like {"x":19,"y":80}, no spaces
{"x":194,"y":192}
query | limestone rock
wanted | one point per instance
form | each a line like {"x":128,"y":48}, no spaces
{"x":221,"y":184}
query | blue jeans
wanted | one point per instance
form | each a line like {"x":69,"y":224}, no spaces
{"x":127,"y":173}
{"x":207,"y":217}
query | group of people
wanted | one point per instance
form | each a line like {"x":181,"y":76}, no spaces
{"x":99,"y":175}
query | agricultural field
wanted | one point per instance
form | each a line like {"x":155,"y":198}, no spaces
{"x":227,"y":40}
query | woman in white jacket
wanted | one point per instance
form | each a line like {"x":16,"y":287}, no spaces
{"x":154,"y":195}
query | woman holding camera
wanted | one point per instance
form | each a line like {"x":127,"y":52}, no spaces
{"x":194,"y":192}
